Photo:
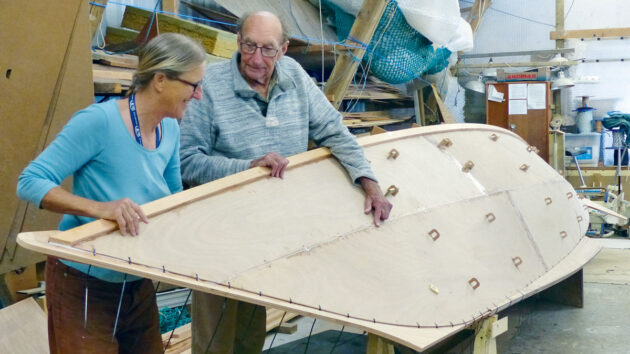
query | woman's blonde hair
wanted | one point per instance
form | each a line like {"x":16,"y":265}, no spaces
{"x":171,"y":54}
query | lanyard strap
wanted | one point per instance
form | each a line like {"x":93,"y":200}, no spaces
{"x":136,"y":124}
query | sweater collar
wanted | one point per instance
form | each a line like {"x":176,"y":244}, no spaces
{"x":284,"y":81}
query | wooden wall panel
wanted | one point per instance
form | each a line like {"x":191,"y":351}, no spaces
{"x":50,"y":78}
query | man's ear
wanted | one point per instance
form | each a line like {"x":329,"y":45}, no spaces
{"x":283,"y":49}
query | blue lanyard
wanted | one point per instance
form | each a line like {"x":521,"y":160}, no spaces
{"x":136,"y":124}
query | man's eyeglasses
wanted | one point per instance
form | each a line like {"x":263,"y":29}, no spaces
{"x":249,"y":48}
{"x":193,"y":85}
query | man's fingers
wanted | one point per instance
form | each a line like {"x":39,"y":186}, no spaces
{"x":283,"y":167}
{"x":385,"y":213}
{"x":367,"y":205}
{"x":274,"y":169}
{"x":377,"y":217}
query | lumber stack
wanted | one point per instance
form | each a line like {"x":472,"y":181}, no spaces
{"x":215,"y":41}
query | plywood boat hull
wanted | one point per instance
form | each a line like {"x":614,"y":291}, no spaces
{"x":480,"y":221}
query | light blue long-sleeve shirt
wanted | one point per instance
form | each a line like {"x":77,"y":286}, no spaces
{"x":223,"y":132}
{"x":107,"y":164}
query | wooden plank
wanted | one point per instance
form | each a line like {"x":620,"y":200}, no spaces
{"x":17,"y":280}
{"x":517,"y":64}
{"x":377,"y":130}
{"x":354,"y":123}
{"x":287,"y":328}
{"x":97,"y":8}
{"x":215,"y":41}
{"x":222,"y":20}
{"x":378,"y":345}
{"x":560,"y":21}
{"x":110,"y":88}
{"x":118,"y":35}
{"x":447,"y":116}
{"x":180,"y":341}
{"x":370,"y":115}
{"x":24,"y":328}
{"x":476,"y":13}
{"x":362,"y":30}
{"x":518,"y":53}
{"x":111,"y":73}
{"x":356,"y":93}
{"x":274,"y":316}
{"x":171,"y":6}
{"x":591,"y":33}
{"x":119,"y":60}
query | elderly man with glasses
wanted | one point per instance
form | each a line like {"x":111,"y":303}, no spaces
{"x":257,"y":109}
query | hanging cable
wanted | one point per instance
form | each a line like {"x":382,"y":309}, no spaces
{"x":122,"y":292}
{"x":179,"y":316}
{"x":276,"y":333}
{"x":85,"y":306}
{"x":337,"y":341}
{"x":321,"y":30}
{"x":310,"y":334}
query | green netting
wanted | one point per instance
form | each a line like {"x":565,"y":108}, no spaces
{"x":169,"y":318}
{"x":398,"y":52}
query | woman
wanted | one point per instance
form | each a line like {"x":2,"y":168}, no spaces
{"x":122,"y":153}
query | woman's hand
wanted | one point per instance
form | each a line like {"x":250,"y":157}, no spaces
{"x":126,"y":213}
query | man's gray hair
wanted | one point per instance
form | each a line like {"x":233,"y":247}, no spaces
{"x":241,"y":21}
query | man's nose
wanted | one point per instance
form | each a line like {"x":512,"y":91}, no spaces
{"x":257,"y":56}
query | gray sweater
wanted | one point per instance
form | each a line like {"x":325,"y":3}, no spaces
{"x":228,"y":128}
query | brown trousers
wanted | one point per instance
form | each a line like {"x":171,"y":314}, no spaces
{"x":138,"y":329}
{"x":241,"y":330}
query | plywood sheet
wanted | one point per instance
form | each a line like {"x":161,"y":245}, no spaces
{"x":459,"y":245}
{"x":39,"y":94}
{"x":24,"y":328}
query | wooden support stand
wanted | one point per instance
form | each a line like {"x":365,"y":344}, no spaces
{"x":486,"y":333}
{"x":568,"y":292}
{"x":378,"y":345}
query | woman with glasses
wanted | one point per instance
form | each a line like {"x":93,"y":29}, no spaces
{"x":121,"y":153}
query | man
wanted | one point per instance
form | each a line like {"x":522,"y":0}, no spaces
{"x":256,"y":109}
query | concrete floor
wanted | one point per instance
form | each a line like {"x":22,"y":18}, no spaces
{"x":535,"y":326}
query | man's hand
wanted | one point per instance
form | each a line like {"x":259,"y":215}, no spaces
{"x":375,"y":200}
{"x":275,"y":162}
{"x":126,"y":213}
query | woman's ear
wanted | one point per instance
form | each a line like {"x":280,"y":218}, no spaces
{"x":158,"y":82}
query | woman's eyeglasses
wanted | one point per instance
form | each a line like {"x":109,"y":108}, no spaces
{"x":193,"y":85}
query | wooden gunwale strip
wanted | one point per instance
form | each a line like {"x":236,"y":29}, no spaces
{"x":101,"y":227}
